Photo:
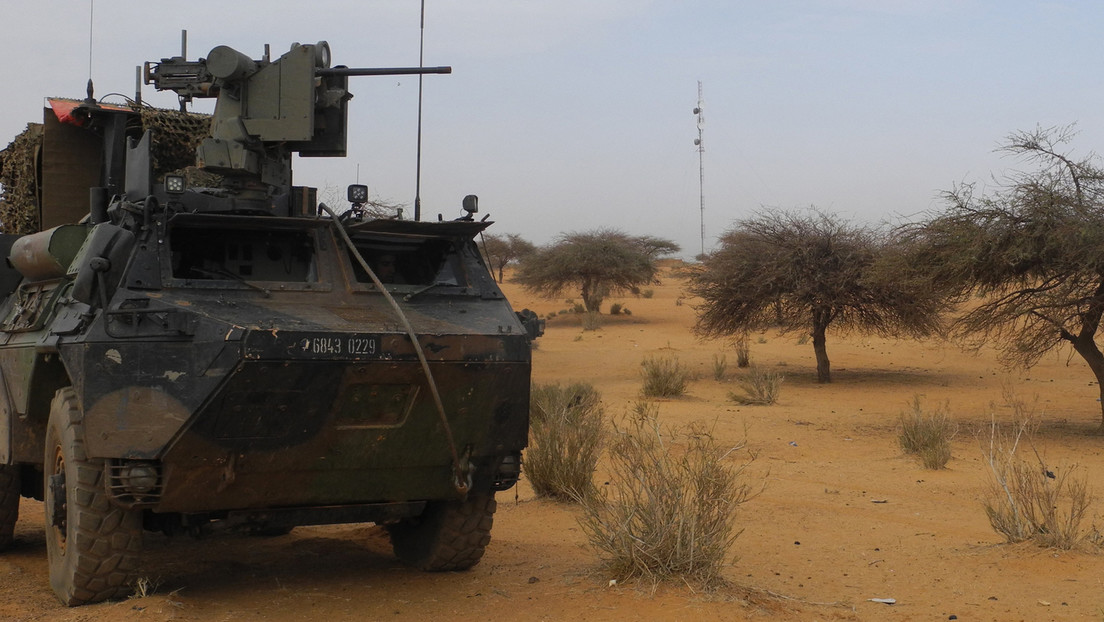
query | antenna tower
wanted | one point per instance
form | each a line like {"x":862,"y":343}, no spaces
{"x":699,"y":111}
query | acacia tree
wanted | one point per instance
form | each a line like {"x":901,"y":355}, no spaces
{"x":806,"y":271}
{"x":500,"y":251}
{"x":595,"y":263}
{"x":1032,"y":251}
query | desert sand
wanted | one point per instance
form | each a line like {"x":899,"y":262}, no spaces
{"x":845,"y":516}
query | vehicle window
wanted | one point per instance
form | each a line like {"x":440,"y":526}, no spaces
{"x":242,"y":254}
{"x":409,"y":261}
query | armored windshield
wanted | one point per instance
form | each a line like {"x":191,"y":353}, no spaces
{"x":242,"y":254}
{"x":403,"y":260}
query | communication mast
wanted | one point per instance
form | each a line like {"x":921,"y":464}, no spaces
{"x":699,"y":111}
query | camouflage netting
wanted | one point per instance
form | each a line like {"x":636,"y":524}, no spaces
{"x":18,"y":195}
{"x":176,"y":136}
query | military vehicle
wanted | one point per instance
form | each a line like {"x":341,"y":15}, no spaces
{"x":212,"y":348}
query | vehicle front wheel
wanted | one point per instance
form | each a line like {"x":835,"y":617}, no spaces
{"x":92,"y":544}
{"x":449,"y":535}
{"x":9,"y":503}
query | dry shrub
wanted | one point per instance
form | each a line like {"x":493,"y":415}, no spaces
{"x":1027,"y":499}
{"x":670,"y":509}
{"x":566,"y":430}
{"x":743,"y":350}
{"x":145,"y":587}
{"x":615,"y":309}
{"x":663,"y":376}
{"x":927,"y":435}
{"x":760,"y":386}
{"x":720,"y":367}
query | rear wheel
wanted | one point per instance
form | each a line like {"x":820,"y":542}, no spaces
{"x":92,"y":544}
{"x":449,"y":535}
{"x":9,"y":503}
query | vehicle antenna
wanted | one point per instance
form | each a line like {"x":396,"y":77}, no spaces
{"x":91,"y":14}
{"x":418,"y":166}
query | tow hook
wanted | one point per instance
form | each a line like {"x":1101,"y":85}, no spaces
{"x":462,"y":472}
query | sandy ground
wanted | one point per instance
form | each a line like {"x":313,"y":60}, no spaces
{"x":845,"y":516}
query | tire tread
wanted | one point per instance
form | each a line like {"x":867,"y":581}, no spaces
{"x":449,"y":536}
{"x":104,"y":539}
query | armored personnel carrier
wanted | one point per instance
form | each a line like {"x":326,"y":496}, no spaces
{"x":212,"y":348}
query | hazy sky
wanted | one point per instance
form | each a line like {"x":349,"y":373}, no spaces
{"x":577,"y":114}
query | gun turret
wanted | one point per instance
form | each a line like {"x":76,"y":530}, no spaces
{"x":267,"y":110}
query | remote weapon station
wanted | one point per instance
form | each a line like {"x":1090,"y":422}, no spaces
{"x":206,"y":346}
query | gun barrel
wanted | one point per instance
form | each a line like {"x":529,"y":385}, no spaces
{"x":380,"y":71}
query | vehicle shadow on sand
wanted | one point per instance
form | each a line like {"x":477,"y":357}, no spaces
{"x":233,"y":562}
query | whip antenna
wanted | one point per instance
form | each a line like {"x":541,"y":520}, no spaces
{"x":418,"y":167}
{"x":91,"y":15}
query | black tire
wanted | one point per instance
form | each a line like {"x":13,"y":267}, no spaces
{"x":92,"y":544}
{"x":9,"y":503}
{"x":449,"y":535}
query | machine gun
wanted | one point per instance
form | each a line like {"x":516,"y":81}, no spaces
{"x":267,"y":109}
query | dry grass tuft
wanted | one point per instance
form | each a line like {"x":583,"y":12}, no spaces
{"x":671,"y":506}
{"x":663,"y":376}
{"x":927,"y":435}
{"x":566,"y":432}
{"x":1029,"y":500}
{"x":720,"y":367}
{"x":145,"y":587}
{"x":743,"y":350}
{"x":760,"y":386}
